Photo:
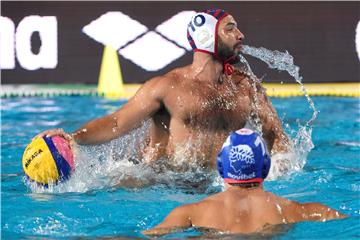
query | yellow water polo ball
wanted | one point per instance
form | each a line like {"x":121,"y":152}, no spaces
{"x":48,"y":160}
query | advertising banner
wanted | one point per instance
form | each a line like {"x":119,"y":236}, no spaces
{"x":64,"y":42}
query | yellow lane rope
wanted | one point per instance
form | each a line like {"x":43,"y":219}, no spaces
{"x":273,"y":90}
{"x":313,"y":89}
{"x":292,"y":89}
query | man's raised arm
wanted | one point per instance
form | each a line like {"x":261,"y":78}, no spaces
{"x":142,"y":106}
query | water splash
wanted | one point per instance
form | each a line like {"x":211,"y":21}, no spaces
{"x":282,"y":61}
{"x":117,"y":164}
{"x":302,"y":143}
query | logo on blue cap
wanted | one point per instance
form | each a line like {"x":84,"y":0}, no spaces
{"x":243,"y":158}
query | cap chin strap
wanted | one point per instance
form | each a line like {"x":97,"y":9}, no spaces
{"x":228,"y":68}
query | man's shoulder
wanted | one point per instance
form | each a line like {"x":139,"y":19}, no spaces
{"x":161,"y":86}
{"x":280,"y":201}
{"x":215,"y":199}
{"x":170,"y":78}
{"x":177,"y":74}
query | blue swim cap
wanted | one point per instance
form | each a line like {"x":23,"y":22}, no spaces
{"x":243,"y":158}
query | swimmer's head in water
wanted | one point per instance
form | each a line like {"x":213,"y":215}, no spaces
{"x":243,"y":158}
{"x":202,"y":30}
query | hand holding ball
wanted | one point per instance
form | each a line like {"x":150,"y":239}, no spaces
{"x":48,"y":160}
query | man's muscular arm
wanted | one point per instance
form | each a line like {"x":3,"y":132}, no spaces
{"x":178,"y":219}
{"x":141,"y":107}
{"x":274,"y":134}
{"x":298,"y":212}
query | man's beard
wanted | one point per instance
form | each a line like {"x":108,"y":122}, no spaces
{"x":226,"y":53}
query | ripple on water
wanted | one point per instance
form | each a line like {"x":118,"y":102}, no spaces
{"x":30,"y":109}
{"x":348,"y":143}
{"x":56,"y":224}
{"x":41,"y":123}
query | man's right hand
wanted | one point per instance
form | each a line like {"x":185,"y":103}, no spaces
{"x":56,"y":132}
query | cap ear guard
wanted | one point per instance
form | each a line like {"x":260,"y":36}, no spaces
{"x":266,"y":160}
{"x":219,"y":166}
{"x":266,"y":165}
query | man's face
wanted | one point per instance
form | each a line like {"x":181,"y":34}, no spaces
{"x":229,"y":38}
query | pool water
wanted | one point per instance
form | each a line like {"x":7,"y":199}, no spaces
{"x":98,"y":208}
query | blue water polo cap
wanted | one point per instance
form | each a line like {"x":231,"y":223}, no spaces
{"x":243,"y":158}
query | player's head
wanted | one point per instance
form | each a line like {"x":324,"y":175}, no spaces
{"x":215,"y":32}
{"x":243,"y":158}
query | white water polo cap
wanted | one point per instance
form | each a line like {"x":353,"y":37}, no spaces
{"x":202,"y":31}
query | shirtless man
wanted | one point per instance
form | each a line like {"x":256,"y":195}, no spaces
{"x":196,"y":105}
{"x":244,"y":207}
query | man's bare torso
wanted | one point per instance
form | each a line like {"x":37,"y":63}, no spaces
{"x":196,"y":116}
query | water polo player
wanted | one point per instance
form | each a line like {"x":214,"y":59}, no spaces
{"x":196,"y":105}
{"x":244,"y":207}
